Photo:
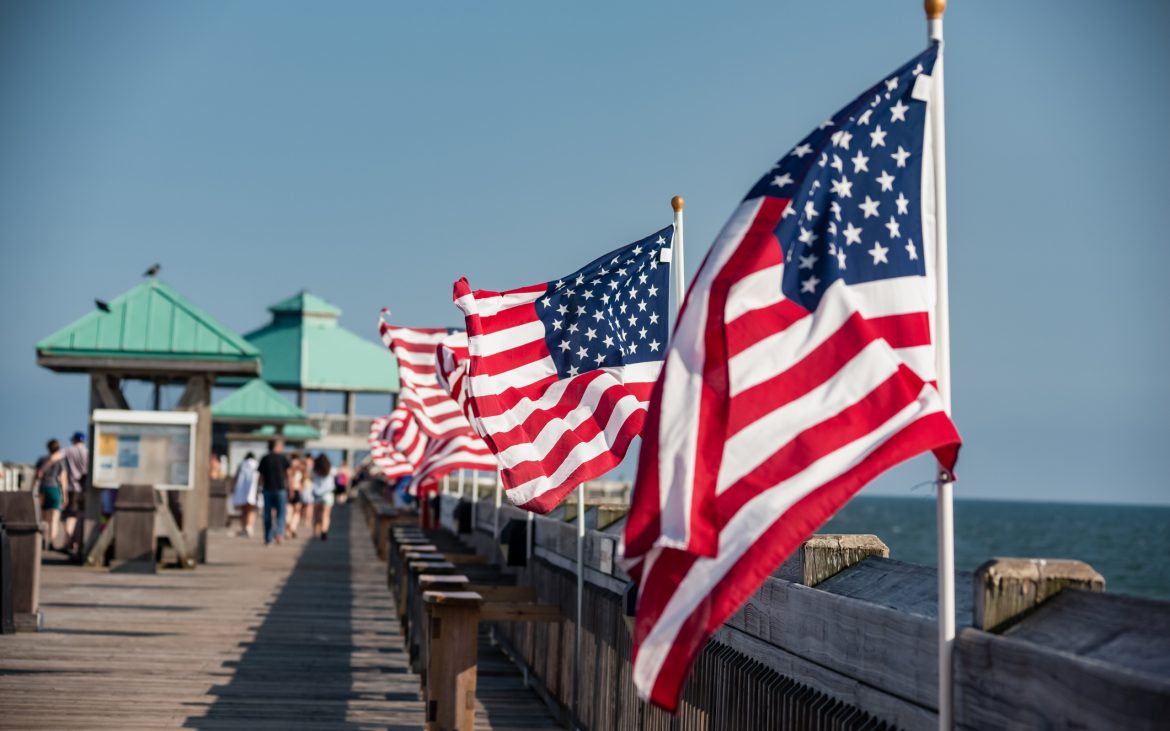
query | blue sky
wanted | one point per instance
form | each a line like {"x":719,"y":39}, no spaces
{"x":375,"y":152}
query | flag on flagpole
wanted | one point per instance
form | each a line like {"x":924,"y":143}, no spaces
{"x":559,"y":373}
{"x":800,"y":369}
{"x":438,"y":415}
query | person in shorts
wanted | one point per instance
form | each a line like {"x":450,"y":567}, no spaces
{"x":50,"y":483}
{"x":76,"y":457}
{"x":320,"y":494}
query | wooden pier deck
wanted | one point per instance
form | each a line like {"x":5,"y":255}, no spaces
{"x":299,"y":636}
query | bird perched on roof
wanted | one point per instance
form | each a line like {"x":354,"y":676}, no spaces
{"x":153,"y":271}
{"x":102,"y":305}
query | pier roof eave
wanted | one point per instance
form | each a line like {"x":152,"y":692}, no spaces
{"x":150,"y":330}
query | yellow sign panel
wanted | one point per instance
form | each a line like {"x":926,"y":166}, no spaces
{"x":107,"y":445}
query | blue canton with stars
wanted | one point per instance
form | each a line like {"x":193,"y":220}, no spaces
{"x":855,"y":191}
{"x":612,"y":311}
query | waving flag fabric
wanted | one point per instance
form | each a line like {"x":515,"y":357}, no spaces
{"x":800,"y":369}
{"x":451,"y":359}
{"x":560,"y":373}
{"x":397,"y":445}
{"x":438,"y":415}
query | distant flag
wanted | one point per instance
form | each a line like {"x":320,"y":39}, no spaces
{"x":397,"y":445}
{"x":801,"y":368}
{"x":438,"y":414}
{"x":560,"y":373}
{"x":451,"y":361}
{"x":460,"y":452}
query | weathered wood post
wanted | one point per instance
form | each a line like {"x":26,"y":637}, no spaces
{"x":826,"y":555}
{"x":217,"y":512}
{"x":453,"y":639}
{"x":403,"y":571}
{"x":415,"y":567}
{"x":195,"y":501}
{"x":418,"y":616}
{"x":1006,"y":589}
{"x":22,"y":521}
{"x":134,"y":533}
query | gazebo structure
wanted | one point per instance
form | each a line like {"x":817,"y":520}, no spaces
{"x":256,"y":412}
{"x":152,"y":333}
{"x":304,"y":349}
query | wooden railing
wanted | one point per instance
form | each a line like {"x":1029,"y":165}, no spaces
{"x":1039,"y":644}
{"x":16,"y":477}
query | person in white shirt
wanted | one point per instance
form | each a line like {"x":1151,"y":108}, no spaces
{"x":320,"y":494}
{"x":246,"y":494}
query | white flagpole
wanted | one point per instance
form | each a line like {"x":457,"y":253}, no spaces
{"x":580,"y":591}
{"x":461,"y":483}
{"x":499,"y":496}
{"x":474,"y":501}
{"x":946,"y":517}
{"x":677,"y":261}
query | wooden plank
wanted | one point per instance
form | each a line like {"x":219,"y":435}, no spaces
{"x":1008,"y":683}
{"x":505,"y":611}
{"x":299,"y":636}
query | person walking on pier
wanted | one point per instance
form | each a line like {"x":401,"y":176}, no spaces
{"x":273,"y":472}
{"x":296,"y":495}
{"x":51,"y":482}
{"x":320,"y":494}
{"x":245,"y":496}
{"x":76,"y":457}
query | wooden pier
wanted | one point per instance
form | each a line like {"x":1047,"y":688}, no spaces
{"x":303,"y":635}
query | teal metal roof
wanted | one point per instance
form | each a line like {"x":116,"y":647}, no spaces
{"x":305,"y":303}
{"x":292,"y":432}
{"x":304,"y":347}
{"x":150,"y":321}
{"x":256,"y":402}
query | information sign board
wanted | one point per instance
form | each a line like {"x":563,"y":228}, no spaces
{"x":144,"y":448}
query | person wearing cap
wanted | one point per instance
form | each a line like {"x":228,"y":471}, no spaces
{"x":77,"y":471}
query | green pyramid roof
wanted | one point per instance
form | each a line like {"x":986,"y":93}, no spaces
{"x":292,"y":432}
{"x":304,"y":347}
{"x":257,"y":402}
{"x":149,"y":328}
{"x":305,"y":303}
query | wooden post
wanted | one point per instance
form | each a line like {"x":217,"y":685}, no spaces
{"x":134,"y":539}
{"x":418,"y":616}
{"x":195,"y":501}
{"x":105,"y":392}
{"x":453,"y":638}
{"x":827,"y":555}
{"x":219,"y":495}
{"x":22,"y":521}
{"x":1006,"y":589}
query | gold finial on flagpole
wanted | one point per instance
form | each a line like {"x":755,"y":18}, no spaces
{"x":934,"y":9}
{"x":677,"y":203}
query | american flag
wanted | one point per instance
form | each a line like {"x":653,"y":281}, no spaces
{"x":560,"y":373}
{"x":397,"y":445}
{"x":800,"y":369}
{"x":438,"y":415}
{"x":431,"y":433}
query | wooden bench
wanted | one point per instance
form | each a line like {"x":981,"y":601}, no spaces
{"x":449,"y":645}
{"x":22,"y":522}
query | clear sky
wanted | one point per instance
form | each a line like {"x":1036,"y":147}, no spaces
{"x":375,"y":152}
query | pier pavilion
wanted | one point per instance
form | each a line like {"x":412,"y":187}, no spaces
{"x":306,"y":351}
{"x":152,"y":333}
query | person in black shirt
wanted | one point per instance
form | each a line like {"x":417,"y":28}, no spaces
{"x":273,"y":473}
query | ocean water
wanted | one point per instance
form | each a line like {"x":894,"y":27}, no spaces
{"x":1127,"y":544}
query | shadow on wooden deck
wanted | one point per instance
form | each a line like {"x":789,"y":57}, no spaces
{"x":326,"y":653}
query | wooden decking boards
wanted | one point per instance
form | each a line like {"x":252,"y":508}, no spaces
{"x":300,"y":636}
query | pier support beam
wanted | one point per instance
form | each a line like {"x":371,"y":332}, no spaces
{"x":453,"y":643}
{"x":1008,"y":588}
